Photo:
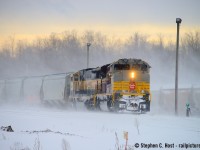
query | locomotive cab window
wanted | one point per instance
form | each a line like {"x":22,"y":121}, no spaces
{"x":121,"y":67}
{"x":136,"y":67}
{"x":144,"y":67}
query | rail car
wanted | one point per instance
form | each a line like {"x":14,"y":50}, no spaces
{"x":123,"y":85}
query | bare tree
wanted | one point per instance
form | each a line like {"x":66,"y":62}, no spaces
{"x":12,"y":44}
{"x":191,"y":42}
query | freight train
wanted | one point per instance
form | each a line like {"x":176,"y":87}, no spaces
{"x":123,"y":85}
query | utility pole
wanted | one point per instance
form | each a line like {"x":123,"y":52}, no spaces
{"x":88,"y":45}
{"x":178,"y":21}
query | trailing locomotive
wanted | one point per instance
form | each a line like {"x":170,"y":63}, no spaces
{"x":123,"y":85}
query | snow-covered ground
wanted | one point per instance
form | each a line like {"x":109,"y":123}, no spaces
{"x":39,"y":128}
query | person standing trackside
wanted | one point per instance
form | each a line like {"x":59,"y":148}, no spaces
{"x":188,"y":112}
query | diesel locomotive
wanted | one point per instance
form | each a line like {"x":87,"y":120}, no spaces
{"x":123,"y":85}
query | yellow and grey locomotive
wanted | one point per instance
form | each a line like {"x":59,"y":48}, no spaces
{"x":123,"y":85}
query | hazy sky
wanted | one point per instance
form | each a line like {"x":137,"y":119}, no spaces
{"x":29,"y":18}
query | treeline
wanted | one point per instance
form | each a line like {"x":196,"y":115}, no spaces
{"x":66,"y":52}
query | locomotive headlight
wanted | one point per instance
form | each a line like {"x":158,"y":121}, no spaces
{"x":132,"y":75}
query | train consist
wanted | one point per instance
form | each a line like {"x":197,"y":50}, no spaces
{"x":123,"y":85}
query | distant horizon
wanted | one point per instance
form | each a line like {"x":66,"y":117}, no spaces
{"x":115,"y":33}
